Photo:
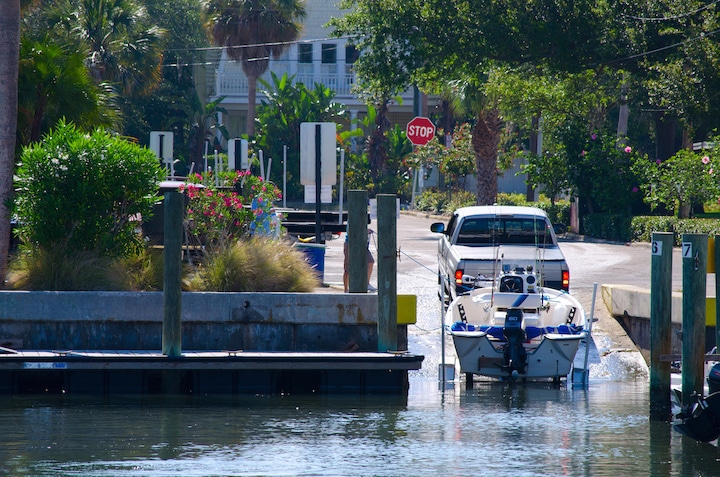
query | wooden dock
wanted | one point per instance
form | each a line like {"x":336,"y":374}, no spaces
{"x":203,"y":372}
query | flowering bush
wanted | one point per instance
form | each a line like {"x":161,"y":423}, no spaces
{"x":686,"y":178}
{"x":84,"y":191}
{"x":605,"y":173}
{"x":242,"y":206}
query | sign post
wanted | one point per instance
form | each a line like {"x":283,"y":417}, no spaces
{"x":318,"y":162}
{"x":161,"y":143}
{"x":420,"y":130}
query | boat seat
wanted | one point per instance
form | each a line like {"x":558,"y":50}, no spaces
{"x":563,"y":329}
{"x":517,"y":300}
{"x":494,"y":331}
{"x":530,"y":331}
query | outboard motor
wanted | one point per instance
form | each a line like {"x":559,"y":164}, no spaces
{"x":700,"y":420}
{"x":713,"y":379}
{"x":514,"y":354}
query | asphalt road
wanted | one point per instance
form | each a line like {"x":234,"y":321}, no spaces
{"x":589,"y":261}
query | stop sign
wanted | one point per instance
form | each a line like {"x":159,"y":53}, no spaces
{"x":420,"y":130}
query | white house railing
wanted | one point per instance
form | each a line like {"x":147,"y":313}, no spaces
{"x":231,"y":81}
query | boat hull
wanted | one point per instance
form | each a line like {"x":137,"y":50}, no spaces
{"x":479,"y":353}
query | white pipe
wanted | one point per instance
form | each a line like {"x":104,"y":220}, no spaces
{"x":207,"y":144}
{"x":586,"y":374}
{"x":262,"y":165}
{"x":217,"y":170}
{"x":414,"y":181}
{"x":342,"y":183}
{"x":442,"y":329}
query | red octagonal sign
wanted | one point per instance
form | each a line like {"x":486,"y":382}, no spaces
{"x":420,"y":130}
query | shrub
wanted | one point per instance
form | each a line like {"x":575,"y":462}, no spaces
{"x":686,"y":178}
{"x":616,"y":227}
{"x":459,"y":198}
{"x":431,"y":200}
{"x":559,"y":212}
{"x":640,"y":228}
{"x":84,"y":192}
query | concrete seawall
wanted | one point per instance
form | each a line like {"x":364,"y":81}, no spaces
{"x":210,"y":321}
{"x":630,"y":305}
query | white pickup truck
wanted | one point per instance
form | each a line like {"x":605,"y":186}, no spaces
{"x":480,"y":242}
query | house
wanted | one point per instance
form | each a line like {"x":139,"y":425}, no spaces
{"x":316,"y":57}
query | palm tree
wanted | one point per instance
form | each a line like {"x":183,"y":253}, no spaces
{"x":9,"y":54}
{"x":125,"y":47}
{"x":253,"y":31}
{"x":54,"y":84}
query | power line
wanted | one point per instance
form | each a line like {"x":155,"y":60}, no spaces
{"x":268,"y":44}
{"x":676,"y":17}
{"x":650,"y":52}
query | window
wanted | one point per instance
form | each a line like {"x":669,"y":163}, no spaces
{"x":497,"y":231}
{"x":329,"y":53}
{"x":351,"y":54}
{"x":305,"y":53}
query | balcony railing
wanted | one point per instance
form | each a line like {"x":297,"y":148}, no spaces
{"x":231,"y":81}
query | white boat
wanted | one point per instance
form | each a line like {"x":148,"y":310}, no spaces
{"x":517,"y":329}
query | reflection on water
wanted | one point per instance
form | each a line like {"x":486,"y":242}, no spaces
{"x":493,"y":429}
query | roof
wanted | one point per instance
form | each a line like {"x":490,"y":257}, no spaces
{"x":499,"y":210}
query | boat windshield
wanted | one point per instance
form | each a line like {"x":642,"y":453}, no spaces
{"x":506,"y":231}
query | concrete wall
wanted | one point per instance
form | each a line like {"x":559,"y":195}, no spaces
{"x":631,"y":307}
{"x":210,"y":321}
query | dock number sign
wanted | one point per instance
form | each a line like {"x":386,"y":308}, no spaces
{"x":420,"y":130}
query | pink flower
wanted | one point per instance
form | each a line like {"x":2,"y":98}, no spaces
{"x":658,"y":162}
{"x":634,"y":189}
{"x":710,"y":171}
{"x":593,"y":136}
{"x":628,"y":149}
{"x":705,"y":160}
{"x":583,"y":153}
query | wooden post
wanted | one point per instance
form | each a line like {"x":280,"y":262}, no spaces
{"x":357,"y":241}
{"x":660,"y":324}
{"x":172,"y":279}
{"x":694,"y":258}
{"x":387,"y":272}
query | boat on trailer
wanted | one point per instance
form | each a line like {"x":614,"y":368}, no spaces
{"x":517,"y":330}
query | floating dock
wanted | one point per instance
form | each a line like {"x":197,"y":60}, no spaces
{"x":203,"y":372}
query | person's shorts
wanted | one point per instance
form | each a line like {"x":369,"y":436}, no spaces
{"x":346,"y":261}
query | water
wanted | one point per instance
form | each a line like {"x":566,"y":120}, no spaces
{"x":490,"y":430}
{"x":493,"y":429}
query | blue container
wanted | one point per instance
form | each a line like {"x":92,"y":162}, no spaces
{"x":314,"y":256}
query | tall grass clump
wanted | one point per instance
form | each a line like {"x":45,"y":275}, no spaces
{"x":60,"y":269}
{"x":255,"y":265}
{"x":57,"y":268}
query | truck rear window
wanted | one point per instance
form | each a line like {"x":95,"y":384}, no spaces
{"x":505,"y":231}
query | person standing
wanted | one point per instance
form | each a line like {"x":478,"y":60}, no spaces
{"x":346,"y":260}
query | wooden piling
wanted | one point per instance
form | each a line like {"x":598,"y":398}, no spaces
{"x":660,"y":324}
{"x":357,"y":241}
{"x":694,"y":259}
{"x":172,"y":278}
{"x":387,"y":272}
